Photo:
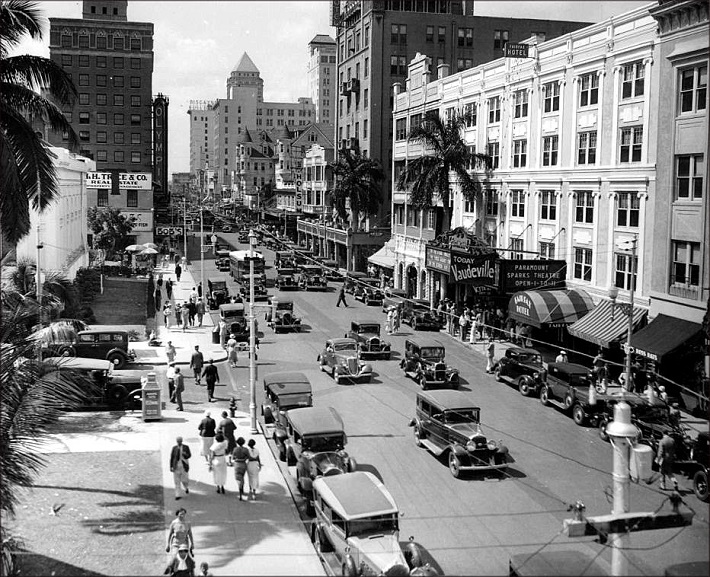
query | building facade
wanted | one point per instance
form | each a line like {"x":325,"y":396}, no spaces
{"x":322,"y":67}
{"x":201,"y":135}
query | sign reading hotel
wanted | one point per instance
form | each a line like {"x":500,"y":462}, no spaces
{"x":520,"y":275}
{"x":515,"y":50}
{"x":473,"y":270}
{"x":126,"y":180}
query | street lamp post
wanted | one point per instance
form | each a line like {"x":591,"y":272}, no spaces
{"x":202,"y":249}
{"x":184,"y":226}
{"x":252,"y":336}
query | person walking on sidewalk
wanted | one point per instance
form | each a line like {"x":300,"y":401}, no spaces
{"x":169,"y":288}
{"x":253,"y":468}
{"x":182,"y":564}
{"x":197,"y":361}
{"x":185,"y":311}
{"x":191,"y":312}
{"x":179,"y":388}
{"x":227,"y":427}
{"x":200,"y":311}
{"x":178,"y":271}
{"x":193,"y":295}
{"x":223,"y":332}
{"x":232,"y":356}
{"x":205,"y":570}
{"x":207,"y":429}
{"x":170,"y":376}
{"x":211,"y":378}
{"x":562,"y":357}
{"x":396,"y":319}
{"x":170,"y":352}
{"x":490,"y":353}
{"x":199,"y":290}
{"x":665,"y":457}
{"x":341,"y":296}
{"x":240,"y":456}
{"x":180,"y":468}
{"x":178,"y":315}
{"x":157,"y":300}
{"x":218,"y":462}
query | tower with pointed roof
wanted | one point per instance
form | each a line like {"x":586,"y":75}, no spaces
{"x":245,"y":80}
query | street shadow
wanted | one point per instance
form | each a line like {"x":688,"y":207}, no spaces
{"x":128,"y":522}
{"x":515,"y":473}
{"x":144,"y":493}
{"x":30,"y":563}
{"x":366,"y":467}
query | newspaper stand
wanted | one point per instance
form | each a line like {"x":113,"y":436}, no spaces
{"x":152,"y":402}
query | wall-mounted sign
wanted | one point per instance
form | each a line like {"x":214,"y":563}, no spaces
{"x":126,"y":180}
{"x":526,"y":274}
{"x":144,"y":219}
{"x":515,"y":50}
{"x":474,"y":270}
{"x":438,"y":259}
{"x":168,"y":230}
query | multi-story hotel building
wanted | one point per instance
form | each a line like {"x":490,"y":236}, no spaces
{"x":322,"y":68}
{"x":110,"y":60}
{"x":201,"y":135}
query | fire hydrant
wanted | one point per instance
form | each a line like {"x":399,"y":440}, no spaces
{"x":232,"y":407}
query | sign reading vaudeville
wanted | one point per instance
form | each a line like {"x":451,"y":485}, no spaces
{"x":438,"y":259}
{"x":126,"y":180}
{"x":474,"y":270}
{"x":526,"y":274}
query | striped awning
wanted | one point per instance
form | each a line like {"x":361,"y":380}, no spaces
{"x":599,"y":328}
{"x":551,"y":307}
{"x":385,"y":256}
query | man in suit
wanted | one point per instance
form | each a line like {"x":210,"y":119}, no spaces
{"x":196,"y":363}
{"x":179,"y":387}
{"x":227,"y":427}
{"x":211,"y":378}
{"x":180,"y":467}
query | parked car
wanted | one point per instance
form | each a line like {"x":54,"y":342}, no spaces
{"x":312,"y":278}
{"x":341,"y":359}
{"x":367,"y":336}
{"x":222,"y":260}
{"x":283,"y":318}
{"x":286,"y":279}
{"x":284,"y":259}
{"x":368,"y":291}
{"x":522,"y":367}
{"x":352,"y":281}
{"x":356,"y":528}
{"x":111,"y":345}
{"x":330,"y":270}
{"x":417,"y":314}
{"x":284,"y":391}
{"x":567,"y":386}
{"x":448,"y":423}
{"x":218,"y":293}
{"x":424,"y":361}
{"x":393,"y":298}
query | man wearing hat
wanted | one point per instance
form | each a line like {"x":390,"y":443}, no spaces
{"x":562,"y":357}
{"x":180,"y":467}
{"x":182,"y":565}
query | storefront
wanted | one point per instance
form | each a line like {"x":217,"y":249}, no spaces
{"x":605,"y":326}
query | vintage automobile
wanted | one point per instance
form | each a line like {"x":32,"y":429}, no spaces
{"x":287,"y":279}
{"x":284,"y":259}
{"x":260,"y":292}
{"x":368,"y":291}
{"x":393,"y":298}
{"x":283,"y":318}
{"x":227,"y":228}
{"x":234,"y":315}
{"x":341,"y":359}
{"x":312,"y":278}
{"x":222,"y":260}
{"x":424,"y":362}
{"x":448,"y":423}
{"x":567,"y":385}
{"x":522,"y":367}
{"x":367,"y":336}
{"x":352,"y":281}
{"x":284,"y":391}
{"x":218,"y":293}
{"x":418,"y":314}
{"x":330,"y":270}
{"x":356,"y":528}
{"x":110,"y":344}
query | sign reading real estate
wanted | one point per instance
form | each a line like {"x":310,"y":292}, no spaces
{"x":474,"y":270}
{"x":527,"y":274}
{"x":126,"y":180}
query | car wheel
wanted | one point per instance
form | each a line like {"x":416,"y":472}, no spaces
{"x":524,"y":386}
{"x":117,"y":359}
{"x":498,"y":375}
{"x":568,"y":402}
{"x":282,"y":452}
{"x":545,"y":396}
{"x":578,"y":415}
{"x":423,"y":383}
{"x":700,"y":484}
{"x":116,"y":394}
{"x":414,"y":324}
{"x":454,"y":465}
{"x":67,"y":352}
{"x":321,"y":543}
{"x":603,"y":435}
{"x":417,"y":436}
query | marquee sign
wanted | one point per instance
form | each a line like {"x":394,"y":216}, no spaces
{"x":526,"y":274}
{"x":474,"y":270}
{"x":459,"y":239}
{"x":160,"y":143}
{"x":437,"y":259}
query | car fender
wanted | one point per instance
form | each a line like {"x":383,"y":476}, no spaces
{"x":119,"y":351}
{"x":460,"y":452}
{"x":281,"y":435}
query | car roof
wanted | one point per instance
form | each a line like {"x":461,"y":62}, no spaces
{"x":232,"y":307}
{"x":397,"y":293}
{"x":522,"y":351}
{"x":287,"y":382}
{"x":448,"y":399}
{"x":568,"y":368}
{"x":356,"y":495}
{"x":217,"y":279}
{"x":366,"y":322}
{"x":357,"y":274}
{"x":79,"y":363}
{"x":316,"y":420}
{"x":102,"y":331}
{"x":341,"y":340}
{"x":426,"y":342}
{"x":311,"y":266}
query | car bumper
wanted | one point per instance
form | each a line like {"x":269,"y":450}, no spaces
{"x":364,"y":353}
{"x":483,"y":467}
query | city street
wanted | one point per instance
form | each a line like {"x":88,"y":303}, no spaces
{"x":474,"y":524}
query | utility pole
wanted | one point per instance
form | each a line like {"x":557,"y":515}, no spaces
{"x":202,"y":250}
{"x":630,"y":312}
{"x":38,"y":284}
{"x":184,"y":227}
{"x":252,"y":337}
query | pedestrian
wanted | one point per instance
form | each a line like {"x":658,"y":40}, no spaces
{"x":178,"y":314}
{"x":218,"y":462}
{"x":227,"y":427}
{"x":157,"y":300}
{"x":182,"y":565}
{"x":223,"y":332}
{"x":440,"y":311}
{"x":665,"y":457}
{"x":211,"y":378}
{"x":510,"y":329}
{"x":177,"y":259}
{"x":205,"y":570}
{"x":180,"y":533}
{"x":180,"y":468}
{"x":196,"y":363}
{"x":169,"y":288}
{"x":253,"y":468}
{"x":199,"y":290}
{"x":232,"y":356}
{"x":475,"y":326}
{"x":207,"y":429}
{"x":193,"y":295}
{"x":167,"y":311}
{"x":200,"y":311}
{"x":179,"y":387}
{"x":463,"y":324}
{"x":449,"y":318}
{"x":191,"y":312}
{"x":240,"y":456}
{"x":170,"y":376}
{"x":341,"y":296}
{"x":178,"y":272}
{"x":170,"y":352}
{"x":390,"y":318}
{"x":490,"y":353}
{"x":185,"y":311}
{"x":159,"y":282}
{"x":396,"y":319}
{"x":561,"y":357}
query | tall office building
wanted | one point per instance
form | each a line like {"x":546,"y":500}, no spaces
{"x":377,"y":39}
{"x":201,"y":129}
{"x":322,"y":68}
{"x":110,"y":60}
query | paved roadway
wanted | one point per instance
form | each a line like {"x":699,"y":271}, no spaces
{"x":472,"y":525}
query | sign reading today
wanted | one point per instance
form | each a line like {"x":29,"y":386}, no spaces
{"x":126,"y":180}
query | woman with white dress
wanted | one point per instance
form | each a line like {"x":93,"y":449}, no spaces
{"x":253,"y":468}
{"x":218,"y":461}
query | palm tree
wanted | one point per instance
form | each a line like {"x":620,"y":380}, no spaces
{"x":357,"y":179}
{"x":28,"y":175}
{"x":444,"y":152}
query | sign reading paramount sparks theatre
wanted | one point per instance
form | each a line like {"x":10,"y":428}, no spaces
{"x":520,"y":275}
{"x":126,"y":180}
{"x":475,"y":270}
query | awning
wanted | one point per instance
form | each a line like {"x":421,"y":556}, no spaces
{"x":598,"y":327}
{"x":663,"y":335}
{"x":553,"y":307}
{"x":385,"y":256}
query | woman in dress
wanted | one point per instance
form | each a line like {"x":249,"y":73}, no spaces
{"x":253,"y":468}
{"x":179,"y":533}
{"x":240,"y":456}
{"x":232,"y":351}
{"x":218,"y":461}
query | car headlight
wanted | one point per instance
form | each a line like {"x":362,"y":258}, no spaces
{"x":536,"y":375}
{"x":470,"y":446}
{"x":492,"y":445}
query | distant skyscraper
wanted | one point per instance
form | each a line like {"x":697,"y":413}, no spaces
{"x":322,"y":69}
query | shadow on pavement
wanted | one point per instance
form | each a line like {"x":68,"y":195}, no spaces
{"x":370,"y":469}
{"x":30,"y":563}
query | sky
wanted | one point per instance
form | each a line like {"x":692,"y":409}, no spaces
{"x":197,"y":44}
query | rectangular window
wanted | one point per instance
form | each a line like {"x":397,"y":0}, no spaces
{"x":394,"y":65}
{"x":549,"y":151}
{"x":84,"y":98}
{"x":135,"y":119}
{"x":366,"y":68}
{"x":689,"y":177}
{"x":470,"y":111}
{"x":135,"y":81}
{"x":118,"y":119}
{"x":693,"y":87}
{"x":118,"y":42}
{"x":551,"y":92}
{"x":547,"y":250}
{"x":84,"y":135}
{"x":66,"y":60}
{"x":101,"y":118}
{"x":520,"y":153}
{"x":517,"y":203}
{"x":686,"y":263}
{"x":100,"y":62}
{"x":101,"y":136}
{"x":587,"y":148}
{"x":101,"y":155}
{"x":84,"y":60}
{"x":623,"y":272}
{"x":521,"y":104}
{"x":131,"y":198}
{"x":494,"y":153}
{"x":135,"y":100}
{"x":135,"y":43}
{"x":589,"y":90}
{"x":135,"y":63}
{"x":83,"y":118}
{"x":548,"y":205}
{"x":118,"y":61}
{"x":491,"y":203}
{"x":585,"y":207}
{"x":66,"y":40}
{"x":101,"y":42}
{"x":583,"y":264}
{"x":441,"y":34}
{"x":430,"y":34}
{"x":517,"y":247}
{"x":118,"y":100}
{"x":102,"y":197}
{"x":118,"y":156}
{"x":100,"y":80}
{"x":401,"y":129}
{"x":119,"y":138}
{"x":83,"y":79}
{"x":364,"y":128}
{"x":627,"y":209}
{"x":101,"y":99}
{"x":135,"y":137}
{"x":83,"y":42}
{"x":494,"y":109}
{"x":630,"y":144}
{"x":118,"y":81}
{"x":500,"y":37}
{"x":135,"y":157}
{"x":632,"y":82}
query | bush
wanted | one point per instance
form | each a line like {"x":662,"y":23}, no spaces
{"x":86,"y":314}
{"x":87,"y":283}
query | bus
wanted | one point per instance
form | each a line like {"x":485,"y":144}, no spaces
{"x":239,"y":265}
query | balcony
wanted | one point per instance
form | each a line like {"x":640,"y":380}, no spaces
{"x":344,"y":88}
{"x":683,"y":291}
{"x":352,"y":143}
{"x":353,"y":85}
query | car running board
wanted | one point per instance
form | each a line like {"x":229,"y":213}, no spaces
{"x":432,"y":447}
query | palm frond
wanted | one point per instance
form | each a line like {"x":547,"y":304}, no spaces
{"x":18,"y":18}
{"x":38,"y":73}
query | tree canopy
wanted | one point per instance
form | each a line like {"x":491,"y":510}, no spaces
{"x":357,"y":184}
{"x":110,"y":227}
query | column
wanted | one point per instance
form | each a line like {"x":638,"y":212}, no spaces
{"x":600,"y":115}
{"x":614,"y":121}
{"x":611,"y":196}
{"x":641,"y":246}
{"x":573,"y":125}
{"x":646,"y":111}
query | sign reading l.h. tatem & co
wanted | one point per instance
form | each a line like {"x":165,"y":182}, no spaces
{"x":126,"y":180}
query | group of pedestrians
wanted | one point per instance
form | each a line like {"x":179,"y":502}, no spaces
{"x":181,"y":549}
{"x":394,"y":320}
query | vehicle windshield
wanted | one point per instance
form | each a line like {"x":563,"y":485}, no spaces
{"x":362,"y":329}
{"x":580,"y":380}
{"x":529,"y":358}
{"x":461,"y":416}
{"x":341,"y":347}
{"x":321,"y":443}
{"x":219,"y":285}
{"x":287,"y":306}
{"x":373,"y":525}
{"x":286,"y":271}
{"x":432,"y":352}
{"x":287,"y":402}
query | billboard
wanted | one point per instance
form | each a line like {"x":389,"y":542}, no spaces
{"x":528,"y":274}
{"x":126,"y":180}
{"x":160,"y":143}
{"x":438,"y":259}
{"x":473,"y":270}
{"x":144,"y":219}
